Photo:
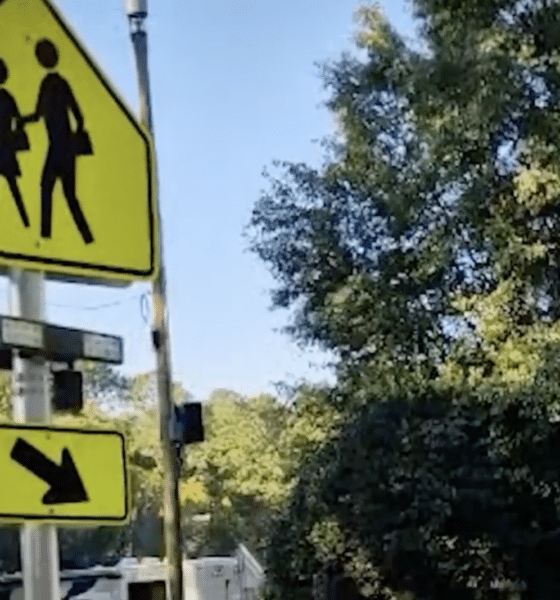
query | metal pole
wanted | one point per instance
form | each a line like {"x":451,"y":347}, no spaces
{"x":160,"y":332}
{"x":31,"y":404}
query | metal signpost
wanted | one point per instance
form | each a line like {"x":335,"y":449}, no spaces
{"x":78,"y":204}
{"x":39,"y":543}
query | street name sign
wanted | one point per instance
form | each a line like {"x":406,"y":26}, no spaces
{"x":77,"y":179}
{"x":62,"y":475}
{"x":58,"y":344}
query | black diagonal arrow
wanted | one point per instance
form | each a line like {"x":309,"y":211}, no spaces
{"x":65,"y":481}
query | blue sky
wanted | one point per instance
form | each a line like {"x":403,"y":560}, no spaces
{"x":234,"y":87}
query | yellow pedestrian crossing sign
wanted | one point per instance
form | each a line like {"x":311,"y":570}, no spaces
{"x":76,"y":168}
{"x":59,"y":474}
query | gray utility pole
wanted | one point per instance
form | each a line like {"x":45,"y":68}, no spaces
{"x":31,"y":404}
{"x":137,"y":11}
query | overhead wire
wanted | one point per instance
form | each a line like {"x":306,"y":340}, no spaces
{"x":143,"y":302}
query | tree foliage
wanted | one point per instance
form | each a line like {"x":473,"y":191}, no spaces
{"x":434,"y":216}
{"x":424,"y":255}
{"x":426,"y":495}
{"x":237,"y":475}
{"x":5,"y":395}
{"x":104,"y":385}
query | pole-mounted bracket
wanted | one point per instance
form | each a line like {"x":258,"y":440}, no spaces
{"x":156,"y":338}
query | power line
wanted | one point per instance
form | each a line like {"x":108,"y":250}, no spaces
{"x":143,"y":300}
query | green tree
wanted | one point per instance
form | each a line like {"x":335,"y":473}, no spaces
{"x":104,"y":385}
{"x":237,"y":476}
{"x":6,"y":407}
{"x":312,"y":420}
{"x":424,"y":254}
{"x":427,"y":496}
{"x":143,"y":391}
{"x":435,"y":216}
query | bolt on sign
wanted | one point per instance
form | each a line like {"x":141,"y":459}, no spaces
{"x":62,"y":475}
{"x":76,"y":168}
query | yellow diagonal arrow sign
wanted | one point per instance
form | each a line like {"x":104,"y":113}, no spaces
{"x":62,"y":474}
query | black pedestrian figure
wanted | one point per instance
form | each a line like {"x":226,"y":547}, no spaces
{"x":54,"y":101}
{"x":9,"y":166}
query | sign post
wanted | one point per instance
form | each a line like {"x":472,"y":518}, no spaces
{"x":39,"y":543}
